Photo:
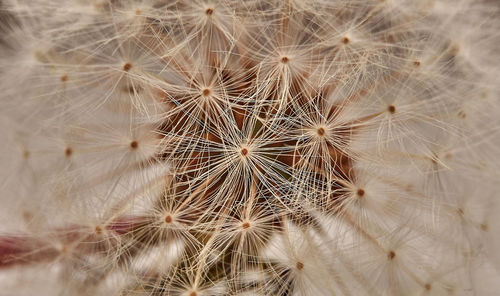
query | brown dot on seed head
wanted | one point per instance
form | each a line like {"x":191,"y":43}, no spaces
{"x":299,"y":265}
{"x":391,"y":109}
{"x":26,"y":154}
{"x":360,"y":192}
{"x":127,"y":67}
{"x":416,"y":63}
{"x":27,"y":216}
{"x":484,"y":227}
{"x":245,"y":225}
{"x":285,"y":60}
{"x":244,"y":151}
{"x":391,"y":255}
{"x":209,"y":11}
{"x":345,"y":40}
{"x":193,"y":293}
{"x":168,"y":219}
{"x":134,"y":144}
{"x":98,"y":230}
{"x":68,"y":152}
{"x":428,"y":287}
{"x":64,"y":78}
{"x":321,"y":132}
{"x":205,"y":92}
{"x":138,"y":12}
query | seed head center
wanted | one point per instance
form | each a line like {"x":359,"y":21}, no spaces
{"x":321,"y":132}
{"x":206,"y":92}
{"x":391,"y":109}
{"x":360,"y":192}
{"x":68,"y":152}
{"x":127,"y":66}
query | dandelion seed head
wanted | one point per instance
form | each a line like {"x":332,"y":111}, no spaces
{"x":255,"y":147}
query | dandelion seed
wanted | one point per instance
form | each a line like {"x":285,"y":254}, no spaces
{"x":391,"y":109}
{"x":206,"y":92}
{"x":321,"y":132}
{"x":360,"y":192}
{"x":68,"y":152}
{"x":127,"y":67}
{"x":98,"y":230}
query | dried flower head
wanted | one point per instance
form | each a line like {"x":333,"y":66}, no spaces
{"x":249,"y":147}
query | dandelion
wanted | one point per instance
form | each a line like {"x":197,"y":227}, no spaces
{"x":299,"y":147}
